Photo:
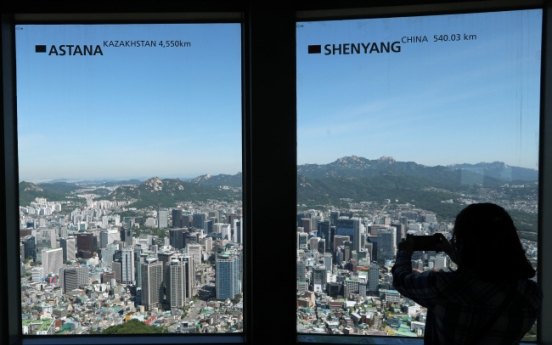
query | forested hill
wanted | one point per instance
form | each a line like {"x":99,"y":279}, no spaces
{"x":168,"y":192}
{"x":28,"y":192}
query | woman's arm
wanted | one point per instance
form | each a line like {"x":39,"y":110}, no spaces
{"x":420,"y":287}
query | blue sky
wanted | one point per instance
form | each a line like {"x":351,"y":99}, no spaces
{"x":176,"y":112}
{"x":435,"y":103}
{"x":133,"y":112}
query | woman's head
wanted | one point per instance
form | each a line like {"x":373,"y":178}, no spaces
{"x":487,"y":242}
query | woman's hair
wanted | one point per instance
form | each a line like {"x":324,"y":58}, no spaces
{"x":487,"y":242}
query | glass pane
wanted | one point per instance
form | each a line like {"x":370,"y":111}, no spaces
{"x":401,"y":123}
{"x":130,"y":186}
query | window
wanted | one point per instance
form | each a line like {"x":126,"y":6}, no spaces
{"x":156,"y":107}
{"x":269,"y":149}
{"x":402,"y":122}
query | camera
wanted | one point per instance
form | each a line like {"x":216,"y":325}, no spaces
{"x":426,"y":243}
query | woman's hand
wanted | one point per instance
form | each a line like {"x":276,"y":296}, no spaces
{"x":408,"y":245}
{"x":445,"y":246}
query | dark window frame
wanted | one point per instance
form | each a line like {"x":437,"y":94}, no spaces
{"x":269,"y":145}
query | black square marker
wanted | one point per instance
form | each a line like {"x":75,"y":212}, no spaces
{"x":315,"y":49}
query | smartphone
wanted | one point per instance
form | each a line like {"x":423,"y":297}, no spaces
{"x":426,"y":243}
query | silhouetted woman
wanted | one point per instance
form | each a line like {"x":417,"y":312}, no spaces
{"x":489,"y":299}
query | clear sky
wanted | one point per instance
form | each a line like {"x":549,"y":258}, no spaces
{"x":133,"y":111}
{"x":138,"y":112}
{"x":436,"y":103}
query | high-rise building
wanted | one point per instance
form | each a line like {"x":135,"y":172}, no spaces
{"x":165,"y":257}
{"x":373,"y":244}
{"x":176,"y":284}
{"x":322,"y":246}
{"x":105,"y":221}
{"x":231,"y":217}
{"x":127,"y":222}
{"x":189,"y":272}
{"x":306,"y":224}
{"x":324,"y":232}
{"x":176,"y":237}
{"x":238,"y":230}
{"x":302,"y":240}
{"x":85,"y":245}
{"x":190,"y":276}
{"x":327,"y":258}
{"x":301,"y":271}
{"x":29,"y":243}
{"x":387,"y":243}
{"x":177,"y":218}
{"x":190,"y":238}
{"x":103,"y":238}
{"x":108,"y":252}
{"x":226,"y":232}
{"x":52,"y":260}
{"x":62,"y":230}
{"x":208,"y":244}
{"x":68,"y":245}
{"x":319,"y":279}
{"x":127,"y":265}
{"x":401,"y":231}
{"x":116,"y":268}
{"x":345,"y":226}
{"x":313,"y":243}
{"x":227,"y":276}
{"x":163,"y":216}
{"x":73,"y":278}
{"x":373,"y":278}
{"x":334,"y":216}
{"x":339,"y":240}
{"x":152,"y":283}
{"x":198,"y":220}
{"x":194,"y":251}
{"x":207,"y":227}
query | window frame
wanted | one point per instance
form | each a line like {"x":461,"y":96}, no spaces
{"x":269,"y":175}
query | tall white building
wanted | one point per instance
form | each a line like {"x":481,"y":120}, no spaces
{"x":217,"y":228}
{"x":107,"y":253}
{"x":113,"y":235}
{"x":194,"y":251}
{"x":358,"y":229}
{"x":208,"y":244}
{"x":68,"y":245}
{"x":237,"y":228}
{"x":105,"y":221}
{"x":190,"y":274}
{"x":152,"y":283}
{"x":163,"y":217}
{"x":225,"y":231}
{"x":52,"y":260}
{"x":176,"y":285}
{"x":127,"y":265}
